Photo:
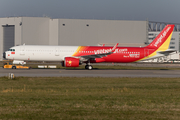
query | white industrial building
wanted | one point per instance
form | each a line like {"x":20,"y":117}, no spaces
{"x":46,"y":31}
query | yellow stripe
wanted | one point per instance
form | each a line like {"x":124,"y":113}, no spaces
{"x":77,"y":50}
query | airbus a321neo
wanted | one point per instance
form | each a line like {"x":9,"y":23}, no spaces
{"x":73,"y":56}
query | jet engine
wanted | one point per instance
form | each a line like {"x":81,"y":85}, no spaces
{"x":71,"y":62}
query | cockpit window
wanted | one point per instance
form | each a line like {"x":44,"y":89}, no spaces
{"x":11,"y":50}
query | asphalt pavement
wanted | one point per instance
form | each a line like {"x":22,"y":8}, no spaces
{"x":89,"y":73}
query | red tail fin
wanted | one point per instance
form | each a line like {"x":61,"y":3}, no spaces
{"x":163,"y":39}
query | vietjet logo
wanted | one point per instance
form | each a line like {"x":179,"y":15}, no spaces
{"x":108,"y":50}
{"x":161,"y":37}
{"x":69,"y":63}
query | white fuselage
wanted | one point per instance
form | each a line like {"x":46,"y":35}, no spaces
{"x":41,"y":53}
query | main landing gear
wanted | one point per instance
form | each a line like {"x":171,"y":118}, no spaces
{"x":89,"y":67}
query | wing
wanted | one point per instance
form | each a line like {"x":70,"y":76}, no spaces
{"x":93,"y":56}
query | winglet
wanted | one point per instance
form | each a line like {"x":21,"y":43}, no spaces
{"x":113,"y":49}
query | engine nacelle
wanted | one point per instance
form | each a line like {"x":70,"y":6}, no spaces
{"x":71,"y":62}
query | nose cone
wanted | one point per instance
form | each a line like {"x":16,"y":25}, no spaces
{"x":4,"y":55}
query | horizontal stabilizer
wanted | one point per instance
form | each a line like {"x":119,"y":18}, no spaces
{"x":167,"y":52}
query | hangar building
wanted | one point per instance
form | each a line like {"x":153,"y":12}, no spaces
{"x":46,"y":31}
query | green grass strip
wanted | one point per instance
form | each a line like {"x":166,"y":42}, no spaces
{"x":90,"y":98}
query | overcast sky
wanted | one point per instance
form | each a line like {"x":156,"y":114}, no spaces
{"x":153,"y":10}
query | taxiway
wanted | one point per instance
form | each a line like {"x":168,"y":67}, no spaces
{"x":90,"y":73}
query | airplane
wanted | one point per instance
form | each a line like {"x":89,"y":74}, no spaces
{"x":73,"y":56}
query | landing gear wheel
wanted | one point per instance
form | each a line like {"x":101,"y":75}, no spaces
{"x":86,"y":67}
{"x":90,"y":67}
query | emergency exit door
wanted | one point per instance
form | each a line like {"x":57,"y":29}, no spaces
{"x":146,"y":52}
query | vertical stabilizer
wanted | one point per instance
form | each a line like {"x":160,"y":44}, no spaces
{"x":161,"y":42}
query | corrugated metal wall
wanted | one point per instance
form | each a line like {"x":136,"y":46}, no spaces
{"x":35,"y":31}
{"x":93,"y":32}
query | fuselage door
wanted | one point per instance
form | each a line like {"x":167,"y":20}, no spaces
{"x":56,"y":52}
{"x":22,"y":52}
{"x":146,"y":52}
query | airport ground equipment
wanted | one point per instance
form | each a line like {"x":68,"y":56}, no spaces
{"x":12,"y":66}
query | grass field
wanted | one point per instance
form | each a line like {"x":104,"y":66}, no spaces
{"x":90,"y":98}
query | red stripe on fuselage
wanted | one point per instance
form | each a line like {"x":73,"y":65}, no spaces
{"x":121,"y":54}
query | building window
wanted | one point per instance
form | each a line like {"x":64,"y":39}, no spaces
{"x":151,"y":34}
{"x":151,"y":38}
{"x":172,"y":47}
{"x":63,"y":24}
{"x":172,"y":42}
